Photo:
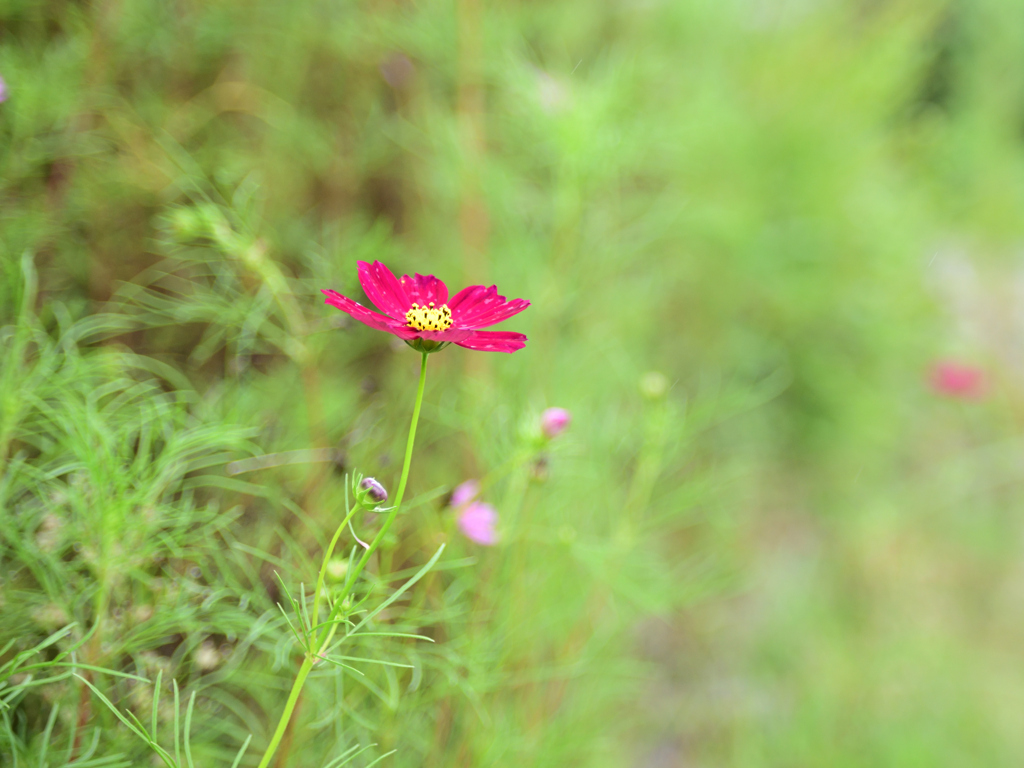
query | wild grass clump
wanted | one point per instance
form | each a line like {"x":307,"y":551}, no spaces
{"x":140,"y":586}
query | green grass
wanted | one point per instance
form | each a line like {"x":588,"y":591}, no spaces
{"x":796,"y":556}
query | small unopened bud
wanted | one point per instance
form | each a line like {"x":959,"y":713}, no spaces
{"x":186,"y":223}
{"x":370,"y":493}
{"x":337,"y":569}
{"x":554,"y":422}
{"x":653,"y":385}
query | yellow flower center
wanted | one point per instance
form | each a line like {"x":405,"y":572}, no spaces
{"x":429,"y":318}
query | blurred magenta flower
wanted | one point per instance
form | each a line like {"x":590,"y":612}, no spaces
{"x":465,"y":493}
{"x":554,"y":422}
{"x":3,"y":91}
{"x":478,"y":522}
{"x":418,"y":311}
{"x":956,"y":379}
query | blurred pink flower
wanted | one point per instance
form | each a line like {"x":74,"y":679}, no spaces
{"x":955,"y":379}
{"x":3,"y":91}
{"x":554,"y":421}
{"x":465,"y":493}
{"x":478,"y":522}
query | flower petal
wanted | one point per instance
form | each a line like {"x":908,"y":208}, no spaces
{"x":368,"y":317}
{"x":494,"y":341}
{"x":423,"y":289}
{"x":478,"y":522}
{"x":466,"y":298}
{"x":465,"y":492}
{"x":454,"y":335}
{"x":499,"y":313}
{"x":479,"y":307}
{"x":384,"y":289}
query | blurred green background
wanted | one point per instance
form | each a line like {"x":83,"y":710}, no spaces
{"x":803,"y":553}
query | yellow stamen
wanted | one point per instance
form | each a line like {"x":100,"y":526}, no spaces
{"x":429,"y":318}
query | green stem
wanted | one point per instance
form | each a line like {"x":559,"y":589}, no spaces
{"x":313,"y":652}
{"x":350,"y":582}
{"x":289,"y":707}
{"x":323,"y":567}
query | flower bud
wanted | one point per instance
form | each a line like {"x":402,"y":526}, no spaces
{"x":554,"y":422}
{"x":186,"y":223}
{"x":337,"y":569}
{"x":369,"y":493}
{"x":653,"y":385}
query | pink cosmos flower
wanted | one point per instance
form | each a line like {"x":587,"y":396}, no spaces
{"x":478,"y":522}
{"x":956,"y":379}
{"x":417,"y":310}
{"x":465,"y":493}
{"x":554,"y":422}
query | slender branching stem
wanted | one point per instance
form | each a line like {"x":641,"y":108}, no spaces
{"x":289,"y":707}
{"x":326,"y":632}
{"x":323,"y":566}
{"x":350,"y":582}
